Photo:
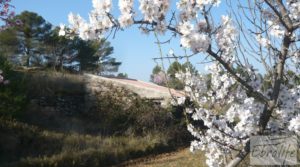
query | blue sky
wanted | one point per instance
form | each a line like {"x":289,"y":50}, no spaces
{"x":132,"y":48}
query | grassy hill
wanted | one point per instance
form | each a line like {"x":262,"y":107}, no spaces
{"x":61,"y":123}
{"x":26,"y":145}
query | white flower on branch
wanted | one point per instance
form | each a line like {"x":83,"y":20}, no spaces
{"x":294,"y":9}
{"x":125,"y":20}
{"x":295,"y":125}
{"x":102,"y":5}
{"x":62,"y":31}
{"x":226,"y":37}
{"x":275,"y":29}
{"x":126,"y":17}
{"x":76,"y":21}
{"x":154,"y":10}
{"x":264,"y":42}
{"x":208,"y":2}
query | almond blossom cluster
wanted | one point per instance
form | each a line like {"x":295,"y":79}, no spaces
{"x":194,"y":30}
{"x":6,"y":12}
{"x":229,"y":115}
{"x":192,"y":39}
{"x":2,"y":79}
{"x":189,"y":8}
{"x":295,"y":124}
{"x":288,"y":111}
{"x":155,"y":11}
{"x":160,"y":78}
{"x":264,"y":42}
{"x":99,"y":21}
{"x":294,"y":9}
{"x":194,"y":35}
{"x":275,"y":30}
{"x":226,"y":37}
{"x":126,"y":17}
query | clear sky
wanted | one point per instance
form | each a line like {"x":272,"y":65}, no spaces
{"x":132,"y":48}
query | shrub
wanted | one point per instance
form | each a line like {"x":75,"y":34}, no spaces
{"x":13,"y":95}
{"x":120,"y":112}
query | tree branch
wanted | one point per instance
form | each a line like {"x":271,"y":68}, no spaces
{"x":154,"y":24}
{"x":241,"y":155}
{"x":270,"y":105}
{"x":282,"y":15}
{"x":249,"y":88}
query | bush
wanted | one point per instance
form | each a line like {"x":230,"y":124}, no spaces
{"x":119,"y":112}
{"x":13,"y":95}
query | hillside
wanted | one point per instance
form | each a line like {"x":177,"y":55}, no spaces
{"x":72,"y":120}
{"x":143,"y":89}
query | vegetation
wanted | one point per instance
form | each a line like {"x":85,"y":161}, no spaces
{"x":45,"y":113}
{"x":251,"y":87}
{"x":47,"y":148}
{"x":168,"y":78}
{"x":36,"y":43}
{"x":260,"y":37}
{"x":122,"y":75}
{"x":56,"y":130}
{"x":12,"y":95}
{"x":43,"y":118}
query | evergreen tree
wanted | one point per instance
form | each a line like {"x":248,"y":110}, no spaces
{"x":31,"y":35}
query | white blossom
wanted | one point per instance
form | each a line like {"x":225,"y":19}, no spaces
{"x":295,"y":125}
{"x":226,"y":37}
{"x":76,"y":21}
{"x":154,"y":10}
{"x":126,"y":17}
{"x":180,"y":100}
{"x":208,"y":2}
{"x":102,"y":5}
{"x":294,"y":9}
{"x":197,"y":42}
{"x":186,"y":28}
{"x":264,"y":42}
{"x":62,"y":31}
{"x":125,"y":20}
{"x":1,"y":79}
{"x":275,"y":29}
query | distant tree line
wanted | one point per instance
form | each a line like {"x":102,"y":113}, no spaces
{"x":36,"y":43}
{"x":168,"y":77}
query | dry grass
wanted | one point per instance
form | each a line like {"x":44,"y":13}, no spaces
{"x":25,"y":145}
{"x":180,"y":158}
{"x":54,"y":83}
